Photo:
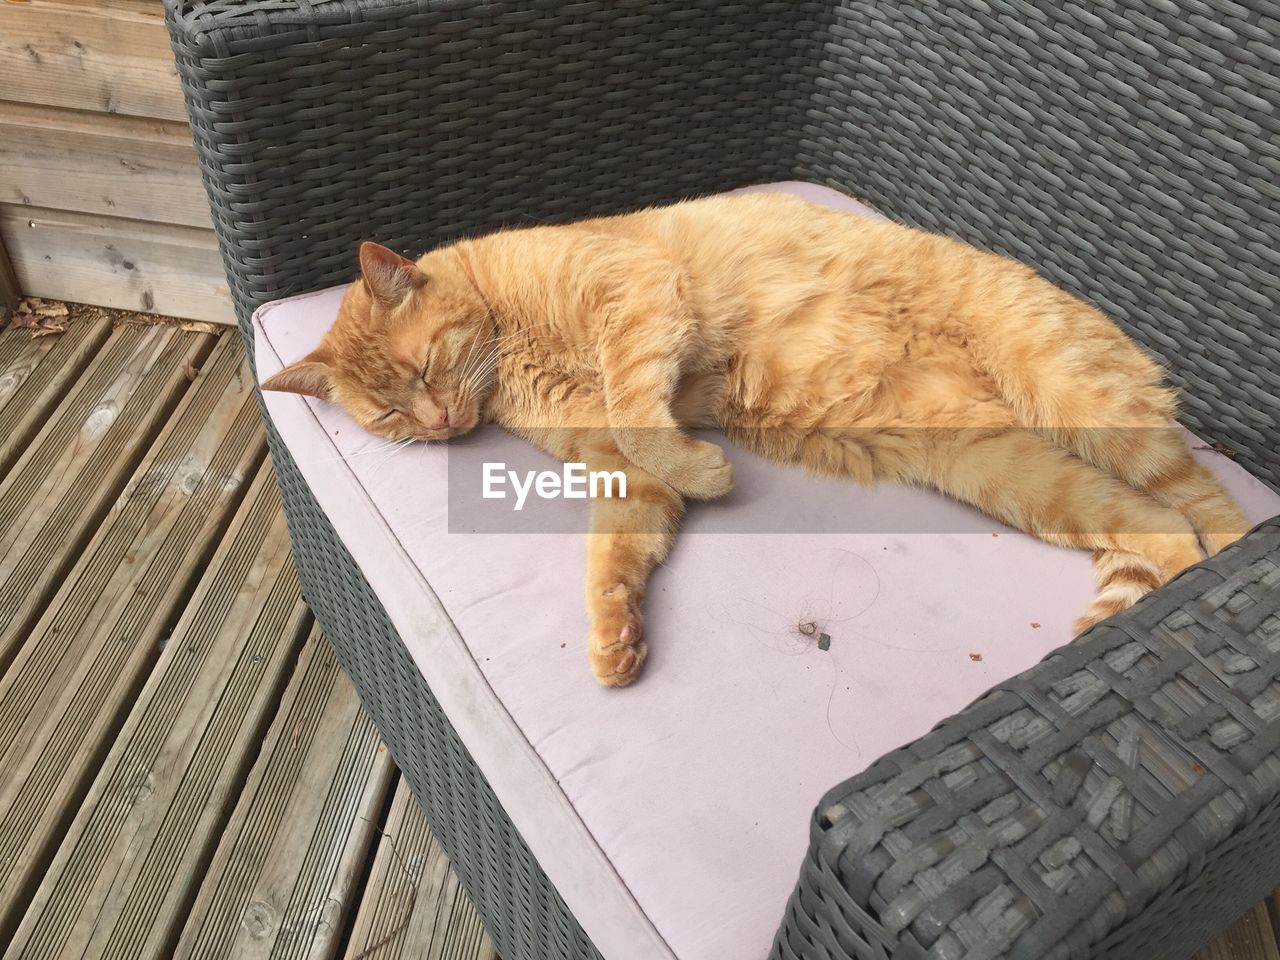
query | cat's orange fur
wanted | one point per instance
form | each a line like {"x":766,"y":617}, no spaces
{"x":851,"y":346}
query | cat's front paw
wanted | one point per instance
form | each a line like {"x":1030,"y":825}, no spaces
{"x":618,"y":663}
{"x":616,"y":647}
{"x":701,"y":471}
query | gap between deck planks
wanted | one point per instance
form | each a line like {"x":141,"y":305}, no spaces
{"x":36,"y":373}
{"x":179,"y":780}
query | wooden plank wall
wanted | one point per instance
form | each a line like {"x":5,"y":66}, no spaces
{"x":100,"y":196}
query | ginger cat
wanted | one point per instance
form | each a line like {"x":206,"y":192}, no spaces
{"x":848,"y":345}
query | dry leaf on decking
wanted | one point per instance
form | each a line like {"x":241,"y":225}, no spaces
{"x":41,"y":317}
{"x":45,"y":329}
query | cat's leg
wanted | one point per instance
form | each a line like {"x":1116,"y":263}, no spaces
{"x":629,"y":535}
{"x":646,"y":431}
{"x":1128,"y":430}
{"x":1071,"y":373}
{"x":641,"y":351}
{"x":1029,"y":482}
{"x":1156,"y":461}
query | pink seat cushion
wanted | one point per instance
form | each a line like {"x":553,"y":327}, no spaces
{"x":673,"y":815}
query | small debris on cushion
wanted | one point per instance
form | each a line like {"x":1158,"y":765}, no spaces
{"x":1216,"y":448}
{"x":1034,"y":625}
{"x":975,"y":657}
{"x":824,"y":641}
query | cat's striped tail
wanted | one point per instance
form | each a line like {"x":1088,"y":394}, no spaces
{"x":1123,"y":578}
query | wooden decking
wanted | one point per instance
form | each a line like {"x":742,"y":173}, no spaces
{"x":185,"y":772}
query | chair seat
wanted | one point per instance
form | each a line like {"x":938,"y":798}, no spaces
{"x":672,"y":815}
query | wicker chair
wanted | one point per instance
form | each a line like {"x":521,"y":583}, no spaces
{"x":1129,"y":152}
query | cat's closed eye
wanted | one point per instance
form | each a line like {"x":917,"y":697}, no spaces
{"x":386,"y":416}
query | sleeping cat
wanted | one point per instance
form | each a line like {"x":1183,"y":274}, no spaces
{"x":848,"y":345}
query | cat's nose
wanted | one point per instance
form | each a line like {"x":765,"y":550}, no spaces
{"x":441,"y":421}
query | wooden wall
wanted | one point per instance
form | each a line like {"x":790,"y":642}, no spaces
{"x":100,"y":197}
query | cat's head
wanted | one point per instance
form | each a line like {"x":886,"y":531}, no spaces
{"x":410,"y":354}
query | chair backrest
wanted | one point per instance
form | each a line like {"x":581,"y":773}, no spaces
{"x":320,"y":124}
{"x":1128,"y":151}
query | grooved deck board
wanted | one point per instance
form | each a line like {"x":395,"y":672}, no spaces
{"x":413,"y":907}
{"x":131,"y":862}
{"x":1252,"y":938}
{"x":77,"y":673}
{"x":285,"y":876}
{"x":63,"y":484}
{"x":35,"y":373}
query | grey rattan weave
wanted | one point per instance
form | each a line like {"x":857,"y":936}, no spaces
{"x":1120,"y":798}
{"x":1038,"y":822}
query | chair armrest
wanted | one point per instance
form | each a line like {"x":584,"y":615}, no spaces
{"x":1104,"y":794}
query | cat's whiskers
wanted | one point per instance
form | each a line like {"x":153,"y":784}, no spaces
{"x":365,"y":451}
{"x":394,"y":447}
{"x":467,"y":367}
{"x":470,"y":350}
{"x":519,"y":332}
{"x":486,"y":366}
{"x":470,"y":387}
{"x":496,"y":342}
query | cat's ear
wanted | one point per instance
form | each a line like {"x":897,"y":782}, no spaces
{"x":311,"y":376}
{"x":389,"y":276}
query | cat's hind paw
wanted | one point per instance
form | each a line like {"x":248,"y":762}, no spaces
{"x":618,"y":663}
